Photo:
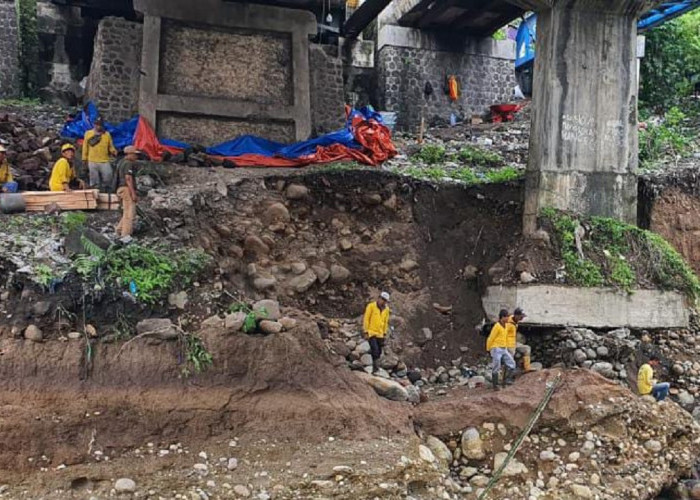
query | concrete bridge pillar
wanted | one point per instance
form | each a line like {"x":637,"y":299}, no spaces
{"x":583,"y":145}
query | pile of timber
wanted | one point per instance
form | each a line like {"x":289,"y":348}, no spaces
{"x":37,"y":201}
{"x":106,"y":201}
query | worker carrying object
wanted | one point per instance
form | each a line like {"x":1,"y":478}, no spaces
{"x":98,"y":147}
{"x":375,"y":326}
{"x":126,"y":190}
{"x":646,"y":383}
{"x":63,"y":176}
{"x":497,"y":346}
{"x":516,"y":340}
{"x":7,"y":184}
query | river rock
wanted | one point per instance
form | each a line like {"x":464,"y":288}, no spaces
{"x":304,"y":281}
{"x":213,"y":321}
{"x":125,"y":485}
{"x":653,"y":445}
{"x":440,"y":450}
{"x":276,"y":212}
{"x":408,"y":265}
{"x":322,"y":273}
{"x":255,"y":245}
{"x":234,"y":321}
{"x":472,"y":445}
{"x":685,"y":398}
{"x":288,"y":323}
{"x":161,"y":328}
{"x":581,"y":491}
{"x":261,"y":283}
{"x":296,"y":192}
{"x":339,"y":273}
{"x":178,"y":300}
{"x":270,"y":327}
{"x":241,"y":490}
{"x":366,"y":359}
{"x":425,"y":454}
{"x":33,"y":333}
{"x":384,"y":387}
{"x":514,"y":467}
{"x":363,"y":347}
{"x":267,"y":309}
{"x":547,"y":456}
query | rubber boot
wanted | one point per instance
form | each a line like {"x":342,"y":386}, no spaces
{"x":509,"y":379}
{"x":375,"y":366}
{"x":526,"y":364}
{"x":494,"y":380}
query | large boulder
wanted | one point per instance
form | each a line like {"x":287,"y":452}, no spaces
{"x":385,"y":387}
{"x":161,"y":328}
{"x":472,"y":445}
{"x":440,"y":450}
{"x":267,"y":309}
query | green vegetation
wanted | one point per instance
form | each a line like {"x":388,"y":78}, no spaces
{"x":431,"y":154}
{"x":480,"y":157}
{"x":617,"y":254}
{"x":28,"y":47}
{"x":44,"y":275}
{"x":197,"y":358}
{"x":341,"y":166}
{"x":668,"y":138}
{"x":505,"y":174}
{"x":251,"y":318}
{"x":152,"y":272}
{"x":671,"y":64}
{"x":467,"y":175}
{"x":71,"y":221}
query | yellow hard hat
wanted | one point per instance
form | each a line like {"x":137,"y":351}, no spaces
{"x":66,"y":147}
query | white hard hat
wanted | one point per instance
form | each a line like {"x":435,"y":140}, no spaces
{"x":385,"y":296}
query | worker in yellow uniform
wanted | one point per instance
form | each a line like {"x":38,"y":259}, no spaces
{"x":63,"y":173}
{"x":375,"y":326}
{"x":98,"y":147}
{"x":497,"y":346}
{"x":646,"y":383}
{"x":516,"y":340}
{"x":7,"y":184}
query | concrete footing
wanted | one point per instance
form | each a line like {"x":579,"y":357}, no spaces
{"x":552,"y":305}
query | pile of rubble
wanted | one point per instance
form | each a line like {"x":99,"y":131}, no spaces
{"x":584,"y":446}
{"x":607,"y":353}
{"x":31,"y":150}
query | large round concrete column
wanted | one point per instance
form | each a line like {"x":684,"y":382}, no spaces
{"x":583,"y":144}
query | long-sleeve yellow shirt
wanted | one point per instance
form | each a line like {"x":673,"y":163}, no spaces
{"x":376,"y":321}
{"x":511,"y":333}
{"x":5,"y":173}
{"x":61,"y":174}
{"x":645,"y":379}
{"x":497,"y":338}
{"x":101,"y":152}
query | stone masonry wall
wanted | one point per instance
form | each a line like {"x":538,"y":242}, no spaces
{"x":9,"y":46}
{"x":327,"y":93}
{"x":403,"y":72}
{"x":113,"y":83}
{"x":226,"y":64}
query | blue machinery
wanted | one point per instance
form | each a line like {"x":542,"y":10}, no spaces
{"x":525,"y":39}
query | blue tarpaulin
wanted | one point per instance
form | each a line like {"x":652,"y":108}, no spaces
{"x":122,"y":134}
{"x":131,"y":132}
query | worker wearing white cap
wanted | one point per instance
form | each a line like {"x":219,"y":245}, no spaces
{"x":7,"y":185}
{"x":375,"y":326}
{"x":126,"y":191}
